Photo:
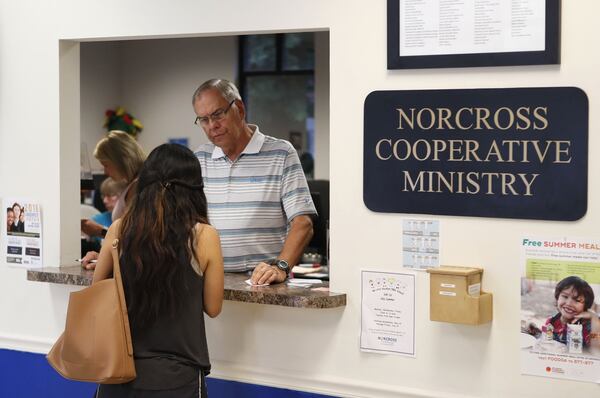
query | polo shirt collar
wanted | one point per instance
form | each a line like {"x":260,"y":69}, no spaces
{"x":253,"y":146}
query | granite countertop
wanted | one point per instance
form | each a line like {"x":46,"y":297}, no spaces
{"x":236,"y":288}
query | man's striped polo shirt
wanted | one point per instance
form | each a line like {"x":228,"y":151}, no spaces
{"x":252,"y":200}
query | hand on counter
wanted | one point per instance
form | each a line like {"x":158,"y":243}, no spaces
{"x":89,"y":260}
{"x":266,"y":274}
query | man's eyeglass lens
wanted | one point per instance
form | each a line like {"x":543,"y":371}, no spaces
{"x":215,"y":116}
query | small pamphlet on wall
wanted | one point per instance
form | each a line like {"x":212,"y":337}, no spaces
{"x":388,"y":313}
{"x":22,"y":243}
{"x":560,"y":301}
{"x":421,"y":243}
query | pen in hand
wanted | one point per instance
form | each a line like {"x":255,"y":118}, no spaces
{"x":79,"y":260}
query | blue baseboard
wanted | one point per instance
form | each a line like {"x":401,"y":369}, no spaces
{"x":230,"y":389}
{"x":25,"y":375}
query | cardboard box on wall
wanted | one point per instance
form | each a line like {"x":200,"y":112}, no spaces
{"x":456,"y":296}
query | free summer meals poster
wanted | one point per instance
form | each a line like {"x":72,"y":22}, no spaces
{"x":560,"y":301}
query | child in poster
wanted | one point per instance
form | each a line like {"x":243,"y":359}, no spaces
{"x":574,"y":299}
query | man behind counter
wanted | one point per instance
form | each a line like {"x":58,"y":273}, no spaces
{"x":258,"y":198}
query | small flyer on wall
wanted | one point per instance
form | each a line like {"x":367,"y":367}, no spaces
{"x":560,"y":302}
{"x":388,"y":313}
{"x":22,"y":243}
{"x":420,"y":243}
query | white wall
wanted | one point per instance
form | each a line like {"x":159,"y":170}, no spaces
{"x":260,"y":343}
{"x":154,"y":80}
{"x":160,"y":77}
{"x":101,"y":89}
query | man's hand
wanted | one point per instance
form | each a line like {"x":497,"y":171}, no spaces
{"x":265,"y":273}
{"x":86,"y":261}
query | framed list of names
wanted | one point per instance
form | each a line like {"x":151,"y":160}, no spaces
{"x":462,"y":33}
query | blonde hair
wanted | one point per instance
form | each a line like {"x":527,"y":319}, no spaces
{"x":110,"y":187}
{"x":123,"y":151}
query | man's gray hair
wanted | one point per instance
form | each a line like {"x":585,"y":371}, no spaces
{"x":227,"y":89}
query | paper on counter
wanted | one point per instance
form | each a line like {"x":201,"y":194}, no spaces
{"x":305,"y":283}
{"x":319,"y":275}
{"x":298,"y":281}
{"x":302,"y":285}
{"x":249,"y":282}
{"x":304,"y":270}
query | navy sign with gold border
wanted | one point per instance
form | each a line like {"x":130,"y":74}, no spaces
{"x":510,"y":153}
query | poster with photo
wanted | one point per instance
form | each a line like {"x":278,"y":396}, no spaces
{"x":560,"y":301}
{"x":22,"y":243}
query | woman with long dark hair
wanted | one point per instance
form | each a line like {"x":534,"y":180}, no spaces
{"x":172,"y":272}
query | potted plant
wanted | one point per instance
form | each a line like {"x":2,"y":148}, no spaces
{"x":120,"y":119}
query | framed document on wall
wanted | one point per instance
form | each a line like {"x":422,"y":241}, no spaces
{"x":472,"y":33}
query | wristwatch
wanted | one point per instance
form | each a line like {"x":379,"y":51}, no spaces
{"x":282,"y":265}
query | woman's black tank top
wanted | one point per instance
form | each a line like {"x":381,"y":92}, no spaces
{"x":172,"y":351}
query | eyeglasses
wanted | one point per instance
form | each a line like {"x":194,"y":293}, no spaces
{"x":217,"y":115}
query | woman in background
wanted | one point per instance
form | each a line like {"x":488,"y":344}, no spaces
{"x":172,"y":272}
{"x":122,"y":158}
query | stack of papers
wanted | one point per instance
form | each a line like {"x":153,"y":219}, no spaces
{"x":298,"y":270}
{"x":303,"y":282}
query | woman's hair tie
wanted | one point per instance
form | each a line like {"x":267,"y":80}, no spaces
{"x":186,"y":185}
{"x":169,"y":183}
